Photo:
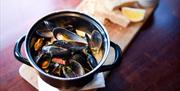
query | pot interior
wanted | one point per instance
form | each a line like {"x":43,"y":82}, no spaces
{"x":64,"y":19}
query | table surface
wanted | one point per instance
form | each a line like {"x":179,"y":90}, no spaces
{"x":151,"y":62}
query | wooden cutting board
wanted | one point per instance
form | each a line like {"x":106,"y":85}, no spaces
{"x":119,"y":35}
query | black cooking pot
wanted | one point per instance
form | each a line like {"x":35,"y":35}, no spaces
{"x":78,"y":19}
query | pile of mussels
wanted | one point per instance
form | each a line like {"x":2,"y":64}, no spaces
{"x":66,"y":51}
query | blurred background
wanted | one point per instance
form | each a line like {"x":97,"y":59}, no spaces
{"x":16,"y":17}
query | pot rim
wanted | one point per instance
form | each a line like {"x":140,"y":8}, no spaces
{"x":76,"y":12}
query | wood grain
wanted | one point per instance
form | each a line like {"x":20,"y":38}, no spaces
{"x":118,"y":34}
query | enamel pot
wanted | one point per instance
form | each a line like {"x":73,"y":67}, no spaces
{"x":77,"y":19}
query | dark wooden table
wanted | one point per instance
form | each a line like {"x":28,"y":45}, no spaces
{"x":151,"y":63}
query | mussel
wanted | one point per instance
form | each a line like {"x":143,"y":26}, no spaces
{"x":45,"y":64}
{"x":71,"y":45}
{"x":39,"y":56}
{"x":53,"y":50}
{"x":50,"y":26}
{"x":95,"y":42}
{"x":81,"y":58}
{"x":50,"y":65}
{"x":67,"y":35}
{"x":90,"y":58}
{"x":57,"y":70}
{"x":44,"y":61}
{"x":74,"y":69}
{"x":46,"y":32}
{"x":80,"y":33}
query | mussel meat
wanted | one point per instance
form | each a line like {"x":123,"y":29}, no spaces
{"x":67,"y":35}
{"x":44,"y":61}
{"x":80,"y":33}
{"x":38,"y":44}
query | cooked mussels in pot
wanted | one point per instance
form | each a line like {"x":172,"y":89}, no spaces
{"x":66,"y":51}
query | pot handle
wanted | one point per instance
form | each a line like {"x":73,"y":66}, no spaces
{"x":17,"y":51}
{"x":117,"y":59}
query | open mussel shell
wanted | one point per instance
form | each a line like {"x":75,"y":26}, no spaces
{"x":96,"y":38}
{"x":90,"y":57}
{"x":64,"y":34}
{"x":47,"y":31}
{"x":82,"y":60}
{"x":95,"y":42}
{"x":44,"y":33}
{"x":57,"y":70}
{"x":53,"y":50}
{"x":43,"y":61}
{"x":50,"y":26}
{"x":39,"y":56}
{"x":74,"y":69}
{"x":71,"y":45}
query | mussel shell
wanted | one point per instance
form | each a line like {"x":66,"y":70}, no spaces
{"x":55,"y":51}
{"x":95,"y":42}
{"x":71,"y":45}
{"x":97,"y":38}
{"x":47,"y":31}
{"x":90,"y":58}
{"x":70,"y":28}
{"x":50,"y":26}
{"x":74,"y":69}
{"x":70,"y":36}
{"x":81,"y":58}
{"x":44,"y":61}
{"x":39,"y":56}
{"x":44,"y":33}
{"x":57,"y":70}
